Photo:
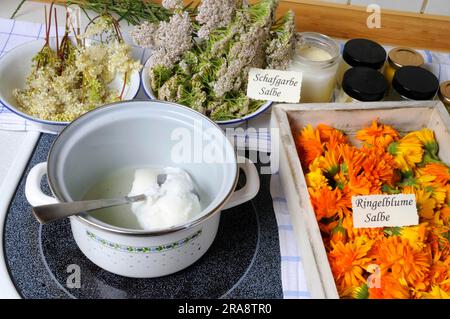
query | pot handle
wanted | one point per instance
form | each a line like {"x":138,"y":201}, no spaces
{"x":251,"y":187}
{"x":33,"y":191}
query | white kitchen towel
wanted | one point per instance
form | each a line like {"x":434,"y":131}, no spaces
{"x":292,"y":273}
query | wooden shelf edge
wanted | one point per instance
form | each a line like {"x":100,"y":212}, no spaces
{"x":421,"y":31}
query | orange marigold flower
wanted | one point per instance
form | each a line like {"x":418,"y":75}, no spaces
{"x":445,"y":215}
{"x":390,"y":288}
{"x":340,"y":179}
{"x":330,"y":134}
{"x":329,"y":163}
{"x":378,"y":166}
{"x":378,"y":135}
{"x":357,"y":182}
{"x":316,"y":180}
{"x":439,"y":170}
{"x":426,"y":137}
{"x":436,"y":292}
{"x":424,"y":201}
{"x":395,"y":255}
{"x":416,"y":235}
{"x":309,"y":145}
{"x":408,"y":152}
{"x":338,"y":233}
{"x":348,"y":262}
{"x":438,"y":237}
{"x":353,"y":233}
{"x":361,"y":185}
{"x":447,"y":187}
{"x":350,"y":155}
{"x":329,"y":203}
{"x":440,"y":273}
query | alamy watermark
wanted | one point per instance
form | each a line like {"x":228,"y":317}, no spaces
{"x":74,"y":278}
{"x":374,"y":280}
{"x":199,"y":145}
{"x":374,"y":19}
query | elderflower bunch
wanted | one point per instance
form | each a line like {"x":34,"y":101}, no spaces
{"x":121,"y":59}
{"x":74,"y":79}
{"x":103,"y":24}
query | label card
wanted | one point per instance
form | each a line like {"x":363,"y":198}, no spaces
{"x":274,"y":85}
{"x":384,"y":211}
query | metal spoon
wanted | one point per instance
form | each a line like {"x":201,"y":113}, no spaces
{"x":48,"y":213}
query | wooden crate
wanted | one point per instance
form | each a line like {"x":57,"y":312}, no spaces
{"x":348,"y":117}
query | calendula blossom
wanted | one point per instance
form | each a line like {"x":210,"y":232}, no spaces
{"x":330,"y":135}
{"x":435,"y":293}
{"x":329,"y":203}
{"x":426,"y":137}
{"x":395,"y":255}
{"x":407,"y":151}
{"x":425,"y":202}
{"x":378,"y":135}
{"x":316,"y":180}
{"x":391,"y":287}
{"x":440,"y":171}
{"x":415,"y":235}
{"x":329,"y":163}
{"x":348,"y":262}
{"x":414,"y":260}
{"x":309,"y":145}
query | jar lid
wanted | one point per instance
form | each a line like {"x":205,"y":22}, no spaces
{"x":415,"y":83}
{"x":364,"y":52}
{"x":364,"y":84}
{"x":399,"y":57}
{"x":444,"y":92}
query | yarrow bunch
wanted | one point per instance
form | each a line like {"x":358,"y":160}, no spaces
{"x":204,"y":62}
{"x":414,"y":261}
{"x":213,"y":14}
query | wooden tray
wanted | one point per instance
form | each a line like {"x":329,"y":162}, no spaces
{"x":348,"y":117}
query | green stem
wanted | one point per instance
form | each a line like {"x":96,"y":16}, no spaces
{"x":17,"y":9}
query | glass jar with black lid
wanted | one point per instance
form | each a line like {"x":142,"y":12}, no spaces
{"x":362,"y":84}
{"x":414,"y":83}
{"x":444,"y":94}
{"x":361,"y":52}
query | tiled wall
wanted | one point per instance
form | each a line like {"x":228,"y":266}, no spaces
{"x":439,"y":7}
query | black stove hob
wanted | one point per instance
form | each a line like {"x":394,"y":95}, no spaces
{"x":243,"y":261}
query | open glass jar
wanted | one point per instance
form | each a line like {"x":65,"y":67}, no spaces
{"x":316,"y":56}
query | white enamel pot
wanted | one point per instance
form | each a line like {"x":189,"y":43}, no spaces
{"x":133,"y":134}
